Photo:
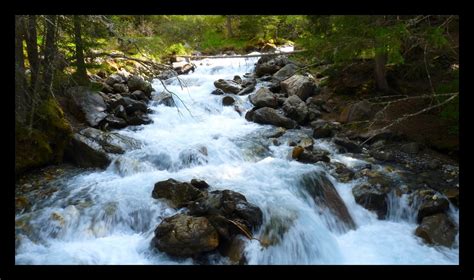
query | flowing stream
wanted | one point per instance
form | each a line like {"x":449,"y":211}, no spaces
{"x":108,"y":216}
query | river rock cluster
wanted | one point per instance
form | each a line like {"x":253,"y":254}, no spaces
{"x":289,"y":99}
{"x":213,"y":221}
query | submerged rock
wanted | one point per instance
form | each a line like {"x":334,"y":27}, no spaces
{"x":185,"y":236}
{"x":323,"y":192}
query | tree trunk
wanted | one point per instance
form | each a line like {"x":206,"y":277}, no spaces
{"x":81,"y":73}
{"x":49,"y":53}
{"x":230,"y":32}
{"x":32,"y":49}
{"x":20,"y":77}
{"x":380,"y":71}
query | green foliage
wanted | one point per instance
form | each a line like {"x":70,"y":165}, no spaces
{"x":450,"y":111}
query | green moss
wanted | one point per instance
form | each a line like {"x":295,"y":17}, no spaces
{"x":46,"y":141}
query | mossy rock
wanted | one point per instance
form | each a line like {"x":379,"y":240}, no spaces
{"x":46,"y":140}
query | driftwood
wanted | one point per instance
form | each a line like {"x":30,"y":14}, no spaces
{"x":240,"y":56}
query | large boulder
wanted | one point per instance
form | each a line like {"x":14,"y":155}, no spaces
{"x":371,"y":197}
{"x":360,"y":111}
{"x":285,"y":72}
{"x":179,"y":194}
{"x":324,"y":194}
{"x":295,"y":109}
{"x":86,"y":105}
{"x":185,"y":236}
{"x":438,"y":230}
{"x":432,"y":204}
{"x":132,"y":105}
{"x":263,"y":98}
{"x":90,"y":147}
{"x":138,"y":118}
{"x":228,"y":86}
{"x":271,"y":116}
{"x":220,"y":206}
{"x":112,"y":121}
{"x":299,"y":85}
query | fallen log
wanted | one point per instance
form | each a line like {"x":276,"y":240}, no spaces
{"x":241,"y":56}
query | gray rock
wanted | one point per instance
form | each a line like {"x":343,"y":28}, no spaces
{"x":359,"y":111}
{"x":120,"y":88}
{"x":115,"y":122}
{"x":324,"y":129}
{"x":271,"y":116}
{"x":88,"y":104}
{"x":295,"y":109}
{"x":285,"y":72}
{"x":164,"y":98}
{"x":228,"y":86}
{"x":90,"y":147}
{"x":139,"y":95}
{"x":347,"y":144}
{"x":299,"y":85}
{"x":263,"y":98}
{"x":114,"y":79}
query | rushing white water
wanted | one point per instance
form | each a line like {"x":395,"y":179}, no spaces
{"x":108,"y":217}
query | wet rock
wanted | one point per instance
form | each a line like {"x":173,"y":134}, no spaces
{"x":228,"y":86}
{"x":246,"y":90}
{"x":295,"y":109}
{"x":200,"y":184}
{"x":410,"y":148}
{"x":165,"y":98}
{"x":263,"y":98}
{"x":217,"y":92}
{"x":132,"y":106}
{"x":86,"y":105}
{"x":138,"y":83}
{"x":306,"y":156}
{"x":432,"y":205}
{"x":224,"y":205}
{"x":453,"y":195}
{"x":138,"y":118}
{"x":348,"y":145}
{"x":106,"y":88}
{"x":438,"y":230}
{"x":271,"y":116}
{"x":89,"y":147}
{"x":324,"y":129}
{"x":371,"y":197}
{"x":179,"y":194}
{"x":342,"y":173}
{"x":120,"y":88}
{"x":299,"y":85}
{"x":323,"y":192}
{"x":228,"y":101}
{"x":237,"y":79}
{"x":167,"y":74}
{"x":359,"y":111}
{"x":234,"y":250}
{"x":185,"y":236}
